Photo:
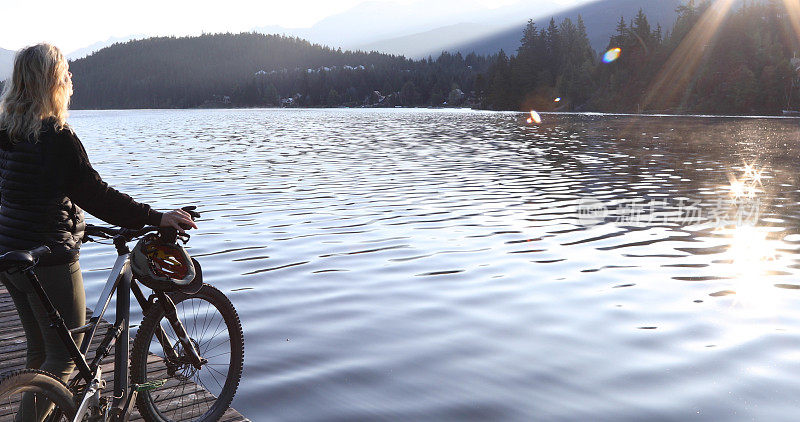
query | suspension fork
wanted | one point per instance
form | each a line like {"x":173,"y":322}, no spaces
{"x":170,"y":312}
{"x":146,"y":304}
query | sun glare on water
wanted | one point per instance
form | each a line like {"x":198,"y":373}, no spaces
{"x":751,"y":253}
{"x":755,"y":300}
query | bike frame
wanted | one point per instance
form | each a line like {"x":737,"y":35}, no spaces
{"x":120,"y":280}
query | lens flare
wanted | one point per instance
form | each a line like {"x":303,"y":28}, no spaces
{"x":535,"y":118}
{"x":612,"y":55}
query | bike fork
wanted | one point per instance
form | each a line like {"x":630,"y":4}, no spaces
{"x":170,"y":312}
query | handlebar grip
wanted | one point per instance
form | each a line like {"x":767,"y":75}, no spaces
{"x":93,"y":230}
{"x":168,"y":234}
{"x":39,"y":252}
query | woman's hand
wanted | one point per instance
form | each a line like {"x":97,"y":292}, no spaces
{"x":178,"y":219}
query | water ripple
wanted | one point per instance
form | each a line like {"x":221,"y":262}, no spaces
{"x":432,"y":264}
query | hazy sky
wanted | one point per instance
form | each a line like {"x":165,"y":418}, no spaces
{"x":73,"y":25}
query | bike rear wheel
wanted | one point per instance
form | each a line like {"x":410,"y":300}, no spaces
{"x":46,"y":398}
{"x":189,"y":394}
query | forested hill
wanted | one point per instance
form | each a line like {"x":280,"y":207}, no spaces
{"x":251,"y":69}
{"x":744,"y":61}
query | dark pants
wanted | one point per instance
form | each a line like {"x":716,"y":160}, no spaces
{"x":64,"y":285}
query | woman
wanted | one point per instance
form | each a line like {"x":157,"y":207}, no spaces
{"x":45,"y":181}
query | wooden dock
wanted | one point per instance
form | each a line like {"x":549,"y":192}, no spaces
{"x":12,"y":357}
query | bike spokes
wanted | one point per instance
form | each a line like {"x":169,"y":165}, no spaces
{"x":192,"y":392}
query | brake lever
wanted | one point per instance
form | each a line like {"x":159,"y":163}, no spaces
{"x":191,"y":210}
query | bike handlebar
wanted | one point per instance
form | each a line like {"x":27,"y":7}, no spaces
{"x":110,"y":232}
{"x":169,"y":233}
{"x":28,"y":258}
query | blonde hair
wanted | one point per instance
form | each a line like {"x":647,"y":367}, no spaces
{"x":39,"y":88}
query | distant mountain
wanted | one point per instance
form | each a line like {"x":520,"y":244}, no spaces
{"x":418,"y":46}
{"x":364,"y":25}
{"x":600,"y":17}
{"x":6,"y":63}
{"x":7,"y":56}
{"x":89,"y":49}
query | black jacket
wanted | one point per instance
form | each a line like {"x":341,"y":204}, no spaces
{"x":43,"y":187}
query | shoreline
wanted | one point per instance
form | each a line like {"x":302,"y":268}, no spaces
{"x":461,"y":109}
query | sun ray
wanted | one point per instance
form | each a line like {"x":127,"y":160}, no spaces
{"x":681,"y":67}
{"x":793,"y":10}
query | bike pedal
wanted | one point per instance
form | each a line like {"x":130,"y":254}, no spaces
{"x":150,"y":385}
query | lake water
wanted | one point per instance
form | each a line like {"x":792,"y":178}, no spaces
{"x":458,"y":265}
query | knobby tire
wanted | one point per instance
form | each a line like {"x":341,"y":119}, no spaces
{"x":43,"y":385}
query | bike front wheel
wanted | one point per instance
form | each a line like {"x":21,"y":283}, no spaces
{"x":188,"y":393}
{"x":34,"y":395}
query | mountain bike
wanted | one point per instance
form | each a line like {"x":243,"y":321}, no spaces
{"x":185,"y":363}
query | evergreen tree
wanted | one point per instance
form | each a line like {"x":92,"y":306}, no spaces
{"x":501,"y":95}
{"x":744,"y":67}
